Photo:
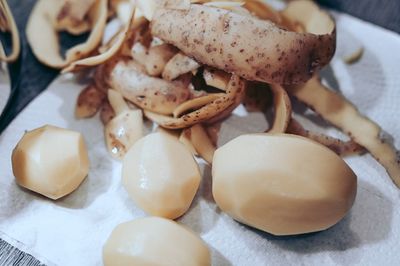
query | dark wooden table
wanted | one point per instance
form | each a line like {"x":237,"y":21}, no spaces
{"x":35,"y":77}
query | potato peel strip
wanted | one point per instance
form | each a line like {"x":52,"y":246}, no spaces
{"x":341,"y":113}
{"x":236,"y":87}
{"x":195,"y":103}
{"x":283,"y":110}
{"x":40,"y":26}
{"x":103,"y":57}
{"x":340,"y":147}
{"x":5,"y":9}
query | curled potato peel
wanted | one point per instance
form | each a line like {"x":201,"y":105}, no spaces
{"x":310,"y":16}
{"x":157,"y":58}
{"x":216,"y":78}
{"x":127,"y":32}
{"x":106,"y":112}
{"x":195,"y":103}
{"x":235,"y":90}
{"x":201,"y":142}
{"x":283,"y":109}
{"x":258,"y":97}
{"x":123,"y":130}
{"x":72,"y":16}
{"x":40,"y":27}
{"x":263,"y":11}
{"x":149,"y":7}
{"x":150,"y":93}
{"x":178,"y":65}
{"x":337,"y":110}
{"x":89,"y":101}
{"x":185,"y":139}
{"x":340,"y":147}
{"x":354,"y":57}
{"x":8,"y":24}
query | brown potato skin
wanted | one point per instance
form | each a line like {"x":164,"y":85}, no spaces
{"x":249,"y":47}
{"x":149,"y":93}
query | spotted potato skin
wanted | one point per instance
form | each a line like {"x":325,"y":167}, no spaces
{"x":249,"y":47}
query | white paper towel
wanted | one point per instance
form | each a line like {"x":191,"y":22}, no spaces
{"x":71,"y":231}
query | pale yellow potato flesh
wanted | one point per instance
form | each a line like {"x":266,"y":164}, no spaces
{"x":9,"y":24}
{"x":178,"y":65}
{"x":161,"y":175}
{"x":51,"y":161}
{"x":282,"y":184}
{"x":216,"y":109}
{"x":154,"y":241}
{"x":185,"y":139}
{"x":41,"y":26}
{"x":282,"y":109}
{"x":216,"y":78}
{"x":122,"y":131}
{"x":201,"y":142}
{"x":157,"y":58}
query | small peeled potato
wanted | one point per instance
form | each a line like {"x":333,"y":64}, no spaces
{"x":154,"y":241}
{"x":282,"y":184}
{"x":161,"y":175}
{"x":51,"y":161}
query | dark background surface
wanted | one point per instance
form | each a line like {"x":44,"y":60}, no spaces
{"x":35,"y":77}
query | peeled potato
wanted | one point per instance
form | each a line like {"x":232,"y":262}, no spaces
{"x":161,"y":175}
{"x":154,"y":241}
{"x":51,"y":161}
{"x":282,"y":184}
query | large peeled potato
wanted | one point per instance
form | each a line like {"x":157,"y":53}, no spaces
{"x":282,"y":184}
{"x":154,"y":241}
{"x":51,"y":161}
{"x":249,"y":47}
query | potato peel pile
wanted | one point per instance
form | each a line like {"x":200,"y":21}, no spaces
{"x":44,"y":23}
{"x":7,"y":24}
{"x":188,"y":64}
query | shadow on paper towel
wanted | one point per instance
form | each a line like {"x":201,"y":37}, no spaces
{"x":369,"y":222}
{"x":96,"y":182}
{"x":203,"y":214}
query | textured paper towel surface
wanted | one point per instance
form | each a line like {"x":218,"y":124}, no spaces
{"x":71,"y":231}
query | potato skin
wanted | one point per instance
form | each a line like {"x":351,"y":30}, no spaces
{"x":149,"y":93}
{"x":249,"y":47}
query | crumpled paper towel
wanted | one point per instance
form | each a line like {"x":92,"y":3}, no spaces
{"x":71,"y":231}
